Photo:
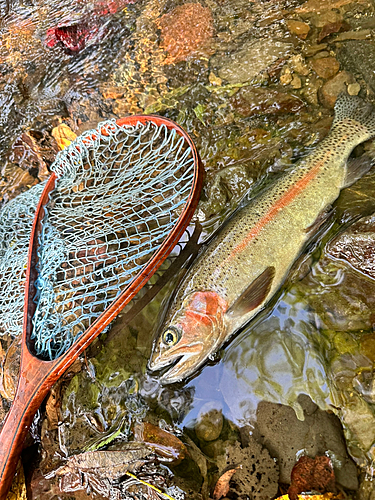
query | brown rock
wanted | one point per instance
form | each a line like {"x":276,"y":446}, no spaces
{"x":312,"y":474}
{"x":330,"y":28}
{"x":252,"y":101}
{"x":312,"y":6}
{"x":298,"y":28}
{"x":186,"y":31}
{"x":326,"y":67}
{"x":332,"y":88}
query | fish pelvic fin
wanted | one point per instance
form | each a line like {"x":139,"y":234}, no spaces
{"x":354,"y":108}
{"x":254,"y":295}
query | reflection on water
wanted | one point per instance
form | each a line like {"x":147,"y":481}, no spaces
{"x":273,"y":359}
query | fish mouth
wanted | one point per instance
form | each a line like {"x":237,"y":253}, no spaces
{"x":181,"y":364}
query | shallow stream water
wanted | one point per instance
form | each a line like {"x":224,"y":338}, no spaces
{"x":254,"y":84}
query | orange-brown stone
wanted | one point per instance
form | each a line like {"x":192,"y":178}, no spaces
{"x":186,"y":32}
{"x":327,"y":67}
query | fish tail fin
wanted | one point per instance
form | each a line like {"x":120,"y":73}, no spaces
{"x":353,"y":108}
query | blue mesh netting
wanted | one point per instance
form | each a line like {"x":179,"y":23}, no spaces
{"x":16,"y":220}
{"x":118,"y":196}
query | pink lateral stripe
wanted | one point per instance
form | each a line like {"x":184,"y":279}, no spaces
{"x":285,"y":200}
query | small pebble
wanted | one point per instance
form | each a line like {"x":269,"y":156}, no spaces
{"x":214,"y":80}
{"x":326,"y":67}
{"x":298,"y":28}
{"x":209,"y":424}
{"x":296,"y":82}
{"x":353,"y":88}
{"x":298,"y":65}
{"x":286,"y":77}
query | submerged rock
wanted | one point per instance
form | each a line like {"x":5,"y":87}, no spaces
{"x":258,"y":472}
{"x":298,"y":28}
{"x":312,"y":474}
{"x":333,"y":87}
{"x":209,"y":424}
{"x":358,"y":56}
{"x":326,"y":67}
{"x":249,"y":61}
{"x":356,"y":246}
{"x":187,"y":31}
{"x":251,"y":101}
{"x":285,"y":436}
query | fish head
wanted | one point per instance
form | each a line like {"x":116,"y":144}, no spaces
{"x":190,"y":336}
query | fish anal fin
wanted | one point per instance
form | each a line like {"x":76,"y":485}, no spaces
{"x":357,"y":168}
{"x":255,"y":294}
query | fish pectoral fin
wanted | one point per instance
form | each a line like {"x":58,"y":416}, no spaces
{"x":356,"y":168}
{"x":255,"y":294}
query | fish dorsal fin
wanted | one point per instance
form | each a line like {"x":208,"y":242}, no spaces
{"x":255,"y":293}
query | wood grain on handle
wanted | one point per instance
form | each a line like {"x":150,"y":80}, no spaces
{"x":16,"y":426}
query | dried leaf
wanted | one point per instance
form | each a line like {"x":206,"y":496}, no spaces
{"x":164,"y":443}
{"x":63,"y":135}
{"x":222,"y":485}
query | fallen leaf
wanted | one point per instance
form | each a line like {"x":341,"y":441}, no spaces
{"x":222,"y":485}
{"x":164,"y":443}
{"x":63,"y":135}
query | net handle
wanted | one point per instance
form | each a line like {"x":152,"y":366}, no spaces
{"x":38,"y":376}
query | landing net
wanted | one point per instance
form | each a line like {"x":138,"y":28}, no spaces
{"x":119,"y":193}
{"x":16,"y":220}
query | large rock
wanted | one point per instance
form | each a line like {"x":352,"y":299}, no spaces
{"x":284,"y":436}
{"x":253,"y":58}
{"x":358,"y":56}
{"x":251,"y":101}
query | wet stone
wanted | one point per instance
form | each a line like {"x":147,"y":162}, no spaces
{"x":333,"y":87}
{"x":259,"y":472}
{"x":284,"y":435}
{"x":356,"y":246}
{"x":330,"y":28}
{"x":326,"y":67}
{"x":248,"y":62}
{"x":252,"y":101}
{"x":209,"y":424}
{"x":358,"y":56}
{"x":186,"y":31}
{"x":298,"y":28}
{"x":298,"y":65}
{"x":354,"y":88}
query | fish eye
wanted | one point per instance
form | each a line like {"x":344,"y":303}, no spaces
{"x":171,"y":336}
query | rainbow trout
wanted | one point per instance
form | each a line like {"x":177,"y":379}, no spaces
{"x":246,"y":263}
